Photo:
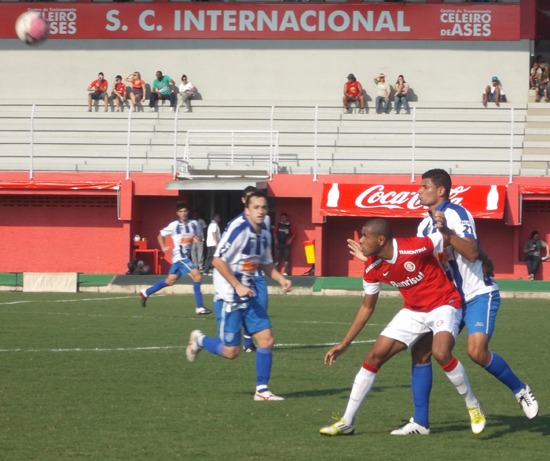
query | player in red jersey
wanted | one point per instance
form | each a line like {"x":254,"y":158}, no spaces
{"x":431,"y":303}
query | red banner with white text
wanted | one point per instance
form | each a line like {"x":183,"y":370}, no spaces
{"x":401,"y":200}
{"x":273,"y":22}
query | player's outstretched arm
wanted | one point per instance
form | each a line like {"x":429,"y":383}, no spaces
{"x":466,"y":246}
{"x":361,"y":318}
{"x":355,"y":250}
{"x":223,"y":269}
{"x":277,"y":276}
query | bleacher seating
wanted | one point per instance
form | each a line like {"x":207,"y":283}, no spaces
{"x":464,"y":139}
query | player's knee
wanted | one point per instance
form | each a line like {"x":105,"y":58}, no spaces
{"x":442,"y":354}
{"x":478,"y":355}
{"x":231,"y":352}
{"x":170,"y":281}
{"x":374,"y":359}
{"x":266,"y":342}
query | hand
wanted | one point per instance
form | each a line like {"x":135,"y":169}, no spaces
{"x":356,"y":250}
{"x":165,"y":249}
{"x":334,"y":353}
{"x":243,"y":292}
{"x":286,"y":284}
{"x":488,"y":269}
{"x":196,"y":239}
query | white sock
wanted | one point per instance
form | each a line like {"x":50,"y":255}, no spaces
{"x":458,"y":377}
{"x":361,"y":387}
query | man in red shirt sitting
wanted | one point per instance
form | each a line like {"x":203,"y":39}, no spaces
{"x":431,"y":303}
{"x":353,"y":91}
{"x":98,"y":90}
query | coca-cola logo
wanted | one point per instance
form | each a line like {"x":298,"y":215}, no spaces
{"x":378,"y":197}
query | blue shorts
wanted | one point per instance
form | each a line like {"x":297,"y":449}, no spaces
{"x":231,"y":320}
{"x":98,"y":95}
{"x":261,"y":290}
{"x":182,"y":267}
{"x":480,"y":313}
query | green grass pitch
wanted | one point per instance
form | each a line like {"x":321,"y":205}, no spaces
{"x":97,"y":377}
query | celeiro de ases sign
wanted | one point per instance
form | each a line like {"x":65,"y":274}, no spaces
{"x":283,"y":21}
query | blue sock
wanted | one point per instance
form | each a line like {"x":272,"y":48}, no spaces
{"x":212,"y":345}
{"x":156,"y":287}
{"x":421,"y":381}
{"x":247,"y":340}
{"x":198,"y":294}
{"x":264,"y":359}
{"x":502,"y":371}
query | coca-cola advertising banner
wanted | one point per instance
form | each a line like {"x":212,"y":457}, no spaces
{"x":401,"y":200}
{"x":261,"y":21}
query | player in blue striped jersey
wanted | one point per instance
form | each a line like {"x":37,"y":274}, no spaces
{"x":261,"y":286}
{"x":184,"y":232}
{"x":241,"y":252}
{"x":462,"y":261}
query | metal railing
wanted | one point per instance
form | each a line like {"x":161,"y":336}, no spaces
{"x":248,"y":149}
{"x":259,"y":150}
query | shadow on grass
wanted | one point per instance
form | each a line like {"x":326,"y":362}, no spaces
{"x":345,"y":390}
{"x":502,"y":425}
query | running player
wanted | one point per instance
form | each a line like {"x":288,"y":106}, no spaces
{"x":431,"y":303}
{"x":184,"y":232}
{"x":261,"y":286}
{"x":481,"y":301}
{"x":236,"y":262}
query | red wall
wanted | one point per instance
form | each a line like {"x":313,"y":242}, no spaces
{"x":43,"y":235}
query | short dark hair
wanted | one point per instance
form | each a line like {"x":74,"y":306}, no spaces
{"x":256,"y":193}
{"x":119,"y":76}
{"x":249,"y":190}
{"x":181,"y":204}
{"x":381,"y":227}
{"x":183,"y":76}
{"x":101,"y":73}
{"x":533,"y":234}
{"x":440,"y":178}
{"x":284,"y":214}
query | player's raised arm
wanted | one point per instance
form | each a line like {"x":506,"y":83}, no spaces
{"x":360,"y":320}
{"x":466,"y":246}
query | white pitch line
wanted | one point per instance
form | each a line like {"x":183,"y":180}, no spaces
{"x":157,"y":348}
{"x":335,"y":323}
{"x":68,"y":300}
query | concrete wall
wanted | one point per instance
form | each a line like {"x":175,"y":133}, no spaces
{"x":269,"y":71}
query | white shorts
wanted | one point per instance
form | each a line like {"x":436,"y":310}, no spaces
{"x":408,"y":326}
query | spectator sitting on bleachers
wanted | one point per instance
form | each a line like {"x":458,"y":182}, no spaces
{"x":187,"y":91}
{"x":138,"y":88}
{"x":401,"y":89}
{"x":382,"y":94}
{"x":543,"y":65}
{"x":494,"y":93}
{"x":163,"y":88}
{"x":534,"y":76}
{"x":542,"y":88}
{"x":119,"y":92}
{"x":353,"y":91}
{"x":98,"y":90}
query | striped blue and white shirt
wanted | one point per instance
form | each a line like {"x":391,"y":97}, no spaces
{"x":468,"y":276}
{"x":182,"y":234}
{"x":243,"y":250}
